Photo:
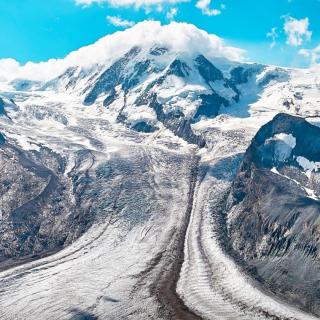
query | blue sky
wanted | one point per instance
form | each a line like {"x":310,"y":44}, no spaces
{"x":36,"y":30}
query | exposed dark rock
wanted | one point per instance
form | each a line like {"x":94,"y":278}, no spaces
{"x":178,"y":68}
{"x":277,"y":75}
{"x":82,"y":315}
{"x":37,"y":213}
{"x":158,"y":51}
{"x":114,"y":76}
{"x":207,"y":70}
{"x":177,"y":123}
{"x":307,"y":141}
{"x":210,"y":105}
{"x":241,"y":75}
{"x":132,"y":80}
{"x":144,"y":127}
{"x":298,"y":95}
{"x":273,"y":222}
{"x":110,"y":98}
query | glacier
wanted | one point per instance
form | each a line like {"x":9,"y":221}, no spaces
{"x":120,"y":158}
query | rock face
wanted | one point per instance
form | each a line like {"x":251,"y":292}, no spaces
{"x":274,"y":209}
{"x":41,"y":210}
{"x":2,"y":139}
{"x":2,"y":107}
{"x":117,"y":75}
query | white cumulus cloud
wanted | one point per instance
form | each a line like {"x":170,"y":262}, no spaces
{"x":205,"y":7}
{"x":179,"y":38}
{"x":297,"y":31}
{"x":119,"y":22}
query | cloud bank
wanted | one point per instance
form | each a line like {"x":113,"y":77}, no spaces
{"x":178,"y":37}
{"x":127,"y":3}
{"x":203,"y":5}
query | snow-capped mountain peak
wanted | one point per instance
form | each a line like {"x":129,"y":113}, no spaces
{"x":139,"y":144}
{"x":176,"y":37}
{"x":147,"y":79}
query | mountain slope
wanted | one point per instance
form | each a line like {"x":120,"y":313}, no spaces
{"x":274,"y":215}
{"x":119,"y":164}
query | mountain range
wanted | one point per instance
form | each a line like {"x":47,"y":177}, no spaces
{"x":142,"y":179}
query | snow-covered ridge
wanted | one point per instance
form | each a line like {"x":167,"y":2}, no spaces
{"x":148,"y":78}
